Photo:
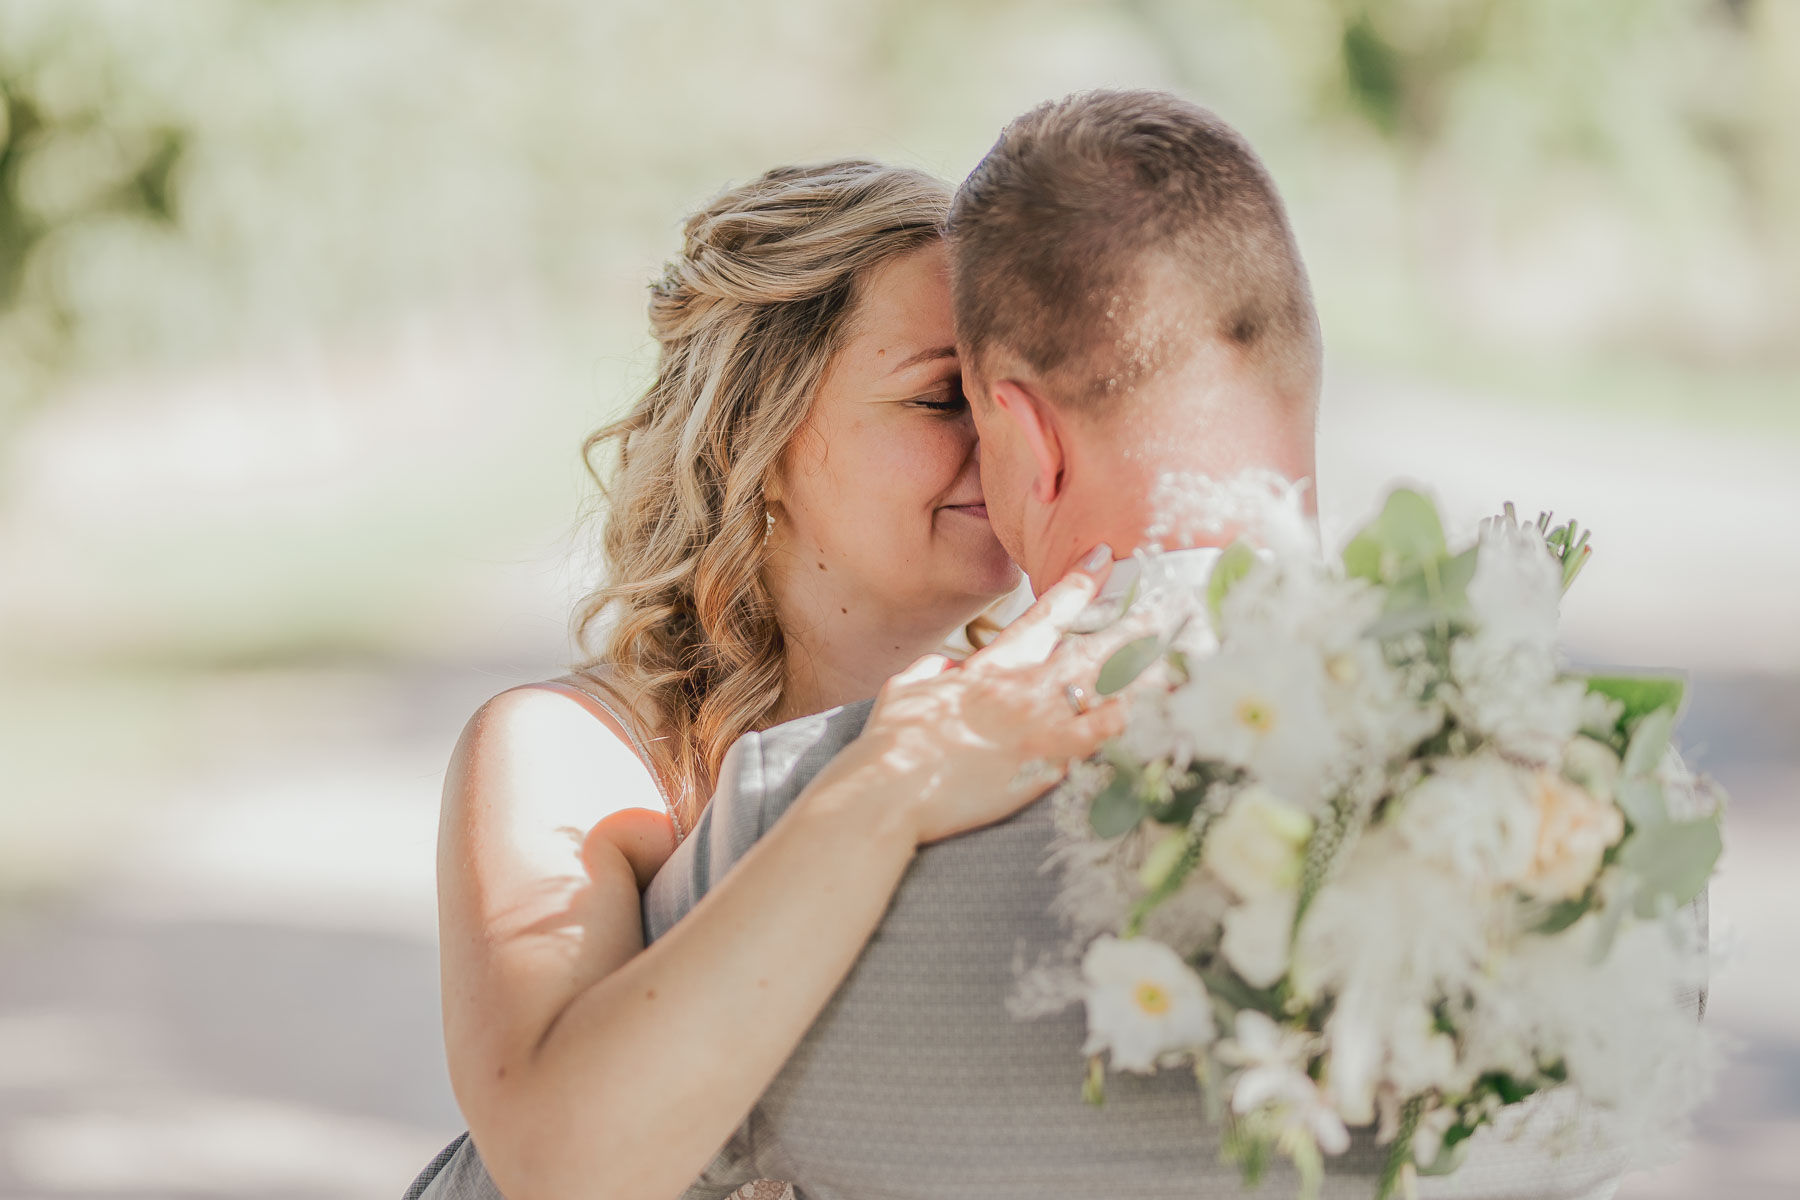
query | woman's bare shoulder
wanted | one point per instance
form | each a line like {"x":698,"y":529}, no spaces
{"x":549,"y":761}
{"x":553,"y":743}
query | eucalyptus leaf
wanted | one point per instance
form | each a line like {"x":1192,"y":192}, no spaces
{"x":1233,"y":565}
{"x":1127,"y":663}
{"x":1117,"y":809}
{"x":1671,"y":861}
{"x":1611,"y":918}
{"x":1405,"y":534}
{"x":1643,"y":802}
{"x":1362,"y":558}
{"x":1649,"y":742}
{"x":1458,"y":572}
{"x":1402,"y":622}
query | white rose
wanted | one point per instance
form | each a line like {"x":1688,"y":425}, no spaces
{"x":1574,"y":830}
{"x":1257,"y":935}
{"x":1591,"y":764}
{"x":1474,"y":815}
{"x":1143,"y":1003}
{"x":1258,"y":846}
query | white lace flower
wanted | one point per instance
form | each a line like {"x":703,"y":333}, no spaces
{"x":1510,"y":693}
{"x":1143,"y":1003}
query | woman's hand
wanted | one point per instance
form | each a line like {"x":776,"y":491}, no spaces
{"x":962,"y":745}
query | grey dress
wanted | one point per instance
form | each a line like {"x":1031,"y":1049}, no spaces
{"x":457,"y":1173}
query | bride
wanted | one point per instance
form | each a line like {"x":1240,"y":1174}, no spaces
{"x":796,"y":517}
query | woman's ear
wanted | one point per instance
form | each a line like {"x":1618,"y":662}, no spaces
{"x":1036,"y":423}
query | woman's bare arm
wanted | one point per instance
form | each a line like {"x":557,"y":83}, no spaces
{"x":588,"y":1065}
{"x":584,"y":1065}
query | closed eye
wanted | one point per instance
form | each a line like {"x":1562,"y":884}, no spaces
{"x":947,"y":399}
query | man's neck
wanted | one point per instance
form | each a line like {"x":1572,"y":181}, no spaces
{"x":1114,"y":498}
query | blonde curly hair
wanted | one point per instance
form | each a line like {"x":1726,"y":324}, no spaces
{"x":747,"y":319}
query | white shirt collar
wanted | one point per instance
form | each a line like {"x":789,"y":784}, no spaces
{"x":1184,"y":568}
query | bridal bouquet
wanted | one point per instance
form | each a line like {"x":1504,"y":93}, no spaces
{"x":1370,"y":854}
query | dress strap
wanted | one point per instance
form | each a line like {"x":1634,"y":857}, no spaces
{"x":613,"y":710}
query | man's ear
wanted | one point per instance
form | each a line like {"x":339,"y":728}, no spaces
{"x":1036,"y":423}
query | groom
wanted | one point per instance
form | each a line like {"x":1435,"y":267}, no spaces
{"x":1129,"y":302}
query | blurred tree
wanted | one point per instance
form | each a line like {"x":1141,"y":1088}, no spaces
{"x":69,"y":158}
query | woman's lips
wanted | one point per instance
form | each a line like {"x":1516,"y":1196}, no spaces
{"x":972,"y":510}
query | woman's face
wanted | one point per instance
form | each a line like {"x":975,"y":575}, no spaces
{"x":879,"y":498}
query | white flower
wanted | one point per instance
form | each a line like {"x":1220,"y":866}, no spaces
{"x":1421,"y":1058}
{"x":1517,"y":587}
{"x":1600,"y":714}
{"x":1575,"y":828}
{"x":1509,"y":692}
{"x":1257,"y":935}
{"x":1391,"y":932}
{"x":1624,"y":1040}
{"x":1261,"y":705}
{"x":1591,"y":764}
{"x":1273,"y":1075}
{"x":1259,"y":845}
{"x":1143,"y":1003}
{"x":1476,"y":815}
{"x":1428,"y":1134}
{"x":1374,"y":706}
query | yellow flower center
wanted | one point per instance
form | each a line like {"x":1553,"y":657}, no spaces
{"x":1256,"y":714}
{"x":1151,"y":999}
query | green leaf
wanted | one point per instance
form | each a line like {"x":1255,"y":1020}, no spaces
{"x":1223,"y":984}
{"x":1449,"y":1157}
{"x":1405,"y":535}
{"x":1649,"y":742}
{"x":1093,"y":1087}
{"x":1127,"y":663}
{"x":1117,"y":809}
{"x":1457,"y":572}
{"x":1640,"y":694}
{"x":1233,"y":565}
{"x":1562,"y":915}
{"x":1162,"y":860}
{"x":1672,"y":861}
{"x":1181,"y":804}
{"x":1362,"y":558}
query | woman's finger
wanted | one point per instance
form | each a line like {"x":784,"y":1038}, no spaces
{"x":927,"y":667}
{"x":1031,"y":637}
{"x":1080,"y":737}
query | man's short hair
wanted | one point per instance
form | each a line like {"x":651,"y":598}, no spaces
{"x":1100,"y":227}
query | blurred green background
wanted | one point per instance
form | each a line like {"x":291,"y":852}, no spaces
{"x":305,"y":306}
